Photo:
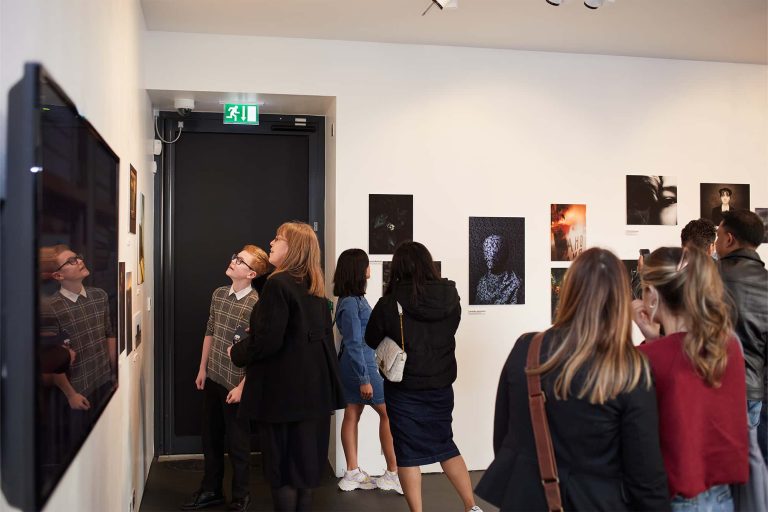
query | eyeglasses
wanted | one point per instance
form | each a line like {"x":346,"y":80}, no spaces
{"x":71,"y":261}
{"x":240,"y":261}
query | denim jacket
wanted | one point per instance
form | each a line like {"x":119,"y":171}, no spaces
{"x":352,"y":315}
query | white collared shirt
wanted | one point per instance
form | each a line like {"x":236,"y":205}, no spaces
{"x":242,"y":293}
{"x":73,"y":296}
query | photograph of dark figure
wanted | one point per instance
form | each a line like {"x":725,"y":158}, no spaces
{"x":763,"y":214}
{"x":651,"y":200}
{"x":387,"y":268}
{"x":496,"y":260}
{"x":556,"y":284}
{"x":390,"y":221}
{"x":717,"y":198}
{"x":568,"y":231}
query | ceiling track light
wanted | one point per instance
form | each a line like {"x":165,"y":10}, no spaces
{"x":590,"y":4}
{"x":442,"y":4}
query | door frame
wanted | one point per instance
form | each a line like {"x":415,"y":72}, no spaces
{"x":312,"y":127}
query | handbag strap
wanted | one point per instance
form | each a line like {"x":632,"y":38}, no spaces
{"x":545,"y":452}
{"x":402,"y":336}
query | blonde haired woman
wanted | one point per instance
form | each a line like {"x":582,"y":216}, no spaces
{"x":292,"y":383}
{"x":600,"y":405}
{"x":699,"y":372}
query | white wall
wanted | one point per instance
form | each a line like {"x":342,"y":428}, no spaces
{"x":93,"y":50}
{"x":474,"y":132}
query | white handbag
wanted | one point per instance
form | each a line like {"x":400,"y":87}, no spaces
{"x":391,"y":357}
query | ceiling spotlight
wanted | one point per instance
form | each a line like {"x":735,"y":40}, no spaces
{"x":592,"y":4}
{"x":555,"y":2}
{"x":442,"y":4}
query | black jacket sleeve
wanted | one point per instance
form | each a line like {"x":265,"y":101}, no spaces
{"x":268,"y":324}
{"x":501,"y":416}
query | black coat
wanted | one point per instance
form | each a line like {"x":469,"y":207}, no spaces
{"x":608,"y":456}
{"x":746,"y":279}
{"x":429,"y":324}
{"x":292,"y":371}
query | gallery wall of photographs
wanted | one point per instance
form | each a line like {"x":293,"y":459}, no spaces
{"x":496,"y":245}
{"x":130,"y":322}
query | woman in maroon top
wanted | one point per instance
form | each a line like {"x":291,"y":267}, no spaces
{"x":698,"y":369}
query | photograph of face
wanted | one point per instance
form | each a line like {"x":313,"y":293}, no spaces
{"x":128,"y":312}
{"x":496,"y":260}
{"x":763,"y":214}
{"x":132,"y":202}
{"x":651,"y":200}
{"x":568,"y":231}
{"x":716,"y":198}
{"x":556,"y":285}
{"x":390,"y":221}
{"x":387,"y":267}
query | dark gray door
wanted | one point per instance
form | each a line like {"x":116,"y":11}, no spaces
{"x":224,"y":187}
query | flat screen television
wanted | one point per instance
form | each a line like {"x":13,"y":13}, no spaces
{"x":58,"y":287}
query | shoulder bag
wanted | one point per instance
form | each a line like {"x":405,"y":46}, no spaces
{"x":390,"y":357}
{"x":545,"y":452}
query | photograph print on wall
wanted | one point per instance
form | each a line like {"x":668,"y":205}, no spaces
{"x":715,"y":198}
{"x":387,"y":267}
{"x":140,"y":274}
{"x":568,"y":231}
{"x":651,"y":200}
{"x":556,"y":285}
{"x":128,"y":313}
{"x":496,"y":260}
{"x":390,"y":221}
{"x":763,"y":214}
{"x":132,"y":202}
{"x":121,"y":308}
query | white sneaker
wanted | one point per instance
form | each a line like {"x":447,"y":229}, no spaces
{"x":475,"y":509}
{"x":356,"y":479}
{"x":389,"y":481}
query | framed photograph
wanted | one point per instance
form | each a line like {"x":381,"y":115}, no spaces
{"x":386,"y":268}
{"x":496,"y":260}
{"x":128,"y":312}
{"x":763,"y":214}
{"x":140,"y":273}
{"x":568,"y":231}
{"x":390,"y":221}
{"x":121,"y":308}
{"x":556,"y":285}
{"x":137,"y":318}
{"x":132,"y":202}
{"x":651,"y":200}
{"x":715,"y":198}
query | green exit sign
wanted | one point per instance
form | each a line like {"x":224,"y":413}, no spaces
{"x":237,"y":113}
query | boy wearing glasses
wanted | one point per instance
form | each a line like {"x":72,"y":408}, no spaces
{"x":222,"y":383}
{"x":83,"y":314}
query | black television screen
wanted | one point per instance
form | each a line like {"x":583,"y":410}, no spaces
{"x":59,"y":287}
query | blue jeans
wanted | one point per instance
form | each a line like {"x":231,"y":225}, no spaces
{"x":715,"y":499}
{"x":753,"y":413}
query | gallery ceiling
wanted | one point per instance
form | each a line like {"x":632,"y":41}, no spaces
{"x":709,"y":30}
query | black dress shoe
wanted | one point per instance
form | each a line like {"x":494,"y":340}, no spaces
{"x":240,"y":504}
{"x":203,"y":499}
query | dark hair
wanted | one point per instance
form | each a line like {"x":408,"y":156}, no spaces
{"x":699,"y":232}
{"x":412,"y":262}
{"x":349,"y":278}
{"x":746,"y":226}
{"x":725,"y":190}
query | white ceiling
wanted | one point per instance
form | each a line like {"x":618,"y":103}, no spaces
{"x":710,"y":30}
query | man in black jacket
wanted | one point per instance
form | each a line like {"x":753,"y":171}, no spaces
{"x":744,"y":275}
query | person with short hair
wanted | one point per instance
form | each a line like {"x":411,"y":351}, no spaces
{"x":745,"y":277}
{"x":222,"y":384}
{"x":724,"y":206}
{"x":700,"y":233}
{"x":600,"y":404}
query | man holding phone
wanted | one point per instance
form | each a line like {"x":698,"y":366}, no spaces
{"x":222,"y":383}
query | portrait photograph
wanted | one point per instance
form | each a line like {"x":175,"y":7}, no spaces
{"x":496,"y":260}
{"x":387,"y":267}
{"x":568,"y":231}
{"x":556,"y":286}
{"x":763,"y":214}
{"x":651,"y":200}
{"x":132,"y":202}
{"x":716,"y":198}
{"x":390,"y":221}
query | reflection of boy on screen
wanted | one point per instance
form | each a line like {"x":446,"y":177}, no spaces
{"x":83,"y":313}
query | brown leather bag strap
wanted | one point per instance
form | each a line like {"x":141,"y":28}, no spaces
{"x":545,"y":452}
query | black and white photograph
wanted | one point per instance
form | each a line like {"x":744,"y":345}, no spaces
{"x":496,"y":260}
{"x":390,"y":221}
{"x":387,"y":267}
{"x":651,"y":200}
{"x":763,"y":214}
{"x":717,"y":198}
{"x":556,"y":286}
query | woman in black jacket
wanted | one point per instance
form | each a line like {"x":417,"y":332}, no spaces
{"x":292,"y":382}
{"x":420,"y":407}
{"x":600,"y":405}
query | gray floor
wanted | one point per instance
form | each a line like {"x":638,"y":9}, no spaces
{"x":171,"y":483}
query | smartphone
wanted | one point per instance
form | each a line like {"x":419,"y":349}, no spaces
{"x":239,"y":334}
{"x":644,"y":252}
